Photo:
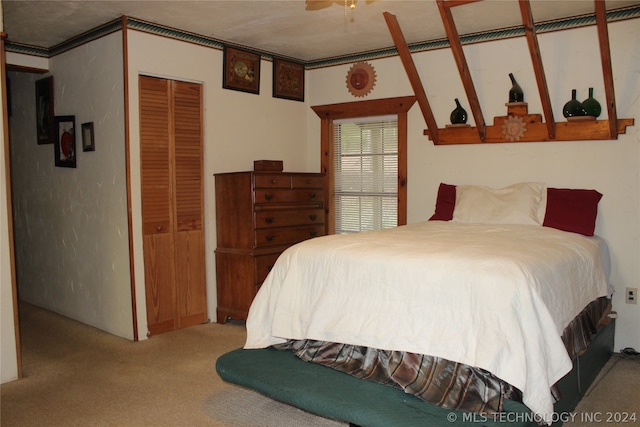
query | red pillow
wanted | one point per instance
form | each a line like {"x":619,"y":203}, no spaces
{"x":572,"y":210}
{"x":445,"y":203}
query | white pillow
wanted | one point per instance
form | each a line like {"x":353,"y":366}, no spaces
{"x":521,"y":203}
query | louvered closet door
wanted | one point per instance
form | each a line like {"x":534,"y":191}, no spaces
{"x":172,"y":208}
{"x":190,"y":254}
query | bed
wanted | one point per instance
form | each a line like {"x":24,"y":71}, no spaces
{"x":489,"y":302}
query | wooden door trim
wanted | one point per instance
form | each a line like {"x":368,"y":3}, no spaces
{"x":127,"y":157}
{"x":10,"y":237}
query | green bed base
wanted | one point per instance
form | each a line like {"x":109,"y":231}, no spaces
{"x":332,"y":394}
{"x":586,"y":368}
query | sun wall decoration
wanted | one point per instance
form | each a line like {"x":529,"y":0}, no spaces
{"x":514,"y":128}
{"x":361,"y":79}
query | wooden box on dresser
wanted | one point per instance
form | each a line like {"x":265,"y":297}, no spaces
{"x":259,"y":215}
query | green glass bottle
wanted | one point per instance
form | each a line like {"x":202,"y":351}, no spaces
{"x":459,"y":115}
{"x":573,"y":107}
{"x":591,"y":106}
{"x":515,"y":93}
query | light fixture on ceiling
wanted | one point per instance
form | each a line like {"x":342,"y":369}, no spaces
{"x":346,"y":10}
{"x":349,"y":7}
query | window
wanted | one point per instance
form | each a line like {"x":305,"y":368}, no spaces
{"x":332,"y":115}
{"x":366,"y":174}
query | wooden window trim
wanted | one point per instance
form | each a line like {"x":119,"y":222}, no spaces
{"x":351,"y":110}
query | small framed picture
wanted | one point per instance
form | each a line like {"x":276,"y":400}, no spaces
{"x":288,"y":80}
{"x":46,"y":132}
{"x":88,"y":143}
{"x":241,"y":70}
{"x":65,"y":142}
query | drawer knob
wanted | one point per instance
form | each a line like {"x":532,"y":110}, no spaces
{"x":313,"y":217}
{"x":270,"y":238}
{"x":270,"y":220}
{"x":273,"y":181}
{"x":313,"y":233}
{"x":309,"y":181}
{"x":159,"y":228}
{"x":268,"y":196}
{"x":312,"y":195}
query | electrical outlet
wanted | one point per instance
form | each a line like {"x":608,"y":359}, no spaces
{"x":631,"y":296}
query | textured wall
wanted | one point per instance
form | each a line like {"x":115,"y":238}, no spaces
{"x":71,"y":229}
{"x":239,"y":128}
{"x":571,"y":61}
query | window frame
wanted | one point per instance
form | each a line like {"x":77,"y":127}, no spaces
{"x":353,"y":110}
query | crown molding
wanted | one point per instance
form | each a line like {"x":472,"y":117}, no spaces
{"x":616,"y":15}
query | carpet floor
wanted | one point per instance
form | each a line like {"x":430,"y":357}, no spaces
{"x":76,"y":375}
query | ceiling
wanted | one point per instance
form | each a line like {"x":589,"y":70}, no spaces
{"x":292,"y":28}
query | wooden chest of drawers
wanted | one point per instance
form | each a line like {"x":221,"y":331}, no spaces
{"x":259,"y":215}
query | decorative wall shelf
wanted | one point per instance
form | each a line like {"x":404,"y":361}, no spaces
{"x":517,"y":125}
{"x":520,"y":126}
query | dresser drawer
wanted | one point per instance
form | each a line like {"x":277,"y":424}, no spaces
{"x":287,"y":218}
{"x":271,"y":181}
{"x":288,"y":235}
{"x":288,"y":196}
{"x":308,"y":181}
{"x":263,"y":265}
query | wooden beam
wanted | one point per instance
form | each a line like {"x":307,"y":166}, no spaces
{"x":458,"y":54}
{"x":607,"y":71}
{"x":412,"y":73}
{"x":454,"y":3}
{"x":536,"y":59}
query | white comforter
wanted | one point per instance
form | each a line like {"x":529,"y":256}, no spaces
{"x":492,"y":296}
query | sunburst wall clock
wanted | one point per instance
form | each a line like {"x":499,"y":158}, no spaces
{"x":361,"y":79}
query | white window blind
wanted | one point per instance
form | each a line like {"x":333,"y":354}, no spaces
{"x":366,"y":174}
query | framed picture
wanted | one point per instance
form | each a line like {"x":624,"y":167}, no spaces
{"x":46,"y":133}
{"x":64,"y":145}
{"x":288,"y":80}
{"x":241,"y":70}
{"x":88,"y":143}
